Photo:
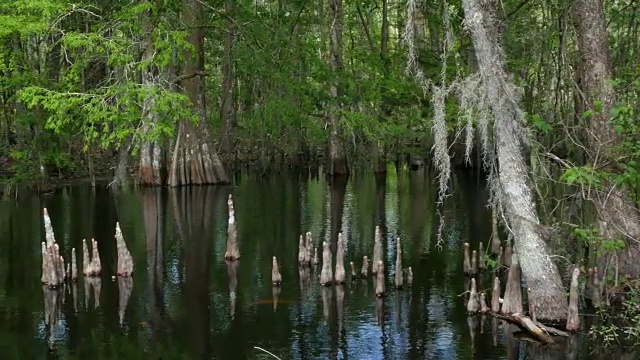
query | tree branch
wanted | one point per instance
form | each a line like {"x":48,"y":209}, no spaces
{"x":188,"y":76}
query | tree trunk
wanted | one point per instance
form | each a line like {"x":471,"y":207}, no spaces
{"x":227,"y":109}
{"x":617,"y":214}
{"x":540,"y":272}
{"x":152,"y":162}
{"x":380,"y":163}
{"x":121,"y":173}
{"x":195,"y":161}
{"x":337,"y":161}
{"x":152,"y":170}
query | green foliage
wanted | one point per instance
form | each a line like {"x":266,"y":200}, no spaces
{"x":620,"y":326}
{"x":595,"y":240}
{"x":582,"y":175}
{"x":540,"y":124}
{"x":109,"y":115}
{"x":491,"y":263}
{"x":626,"y":121}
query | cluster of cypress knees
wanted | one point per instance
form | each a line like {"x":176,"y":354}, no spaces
{"x":308,"y":256}
{"x":55,"y":270}
{"x":510,"y":306}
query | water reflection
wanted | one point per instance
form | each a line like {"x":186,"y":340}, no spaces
{"x":232,"y":272}
{"x":185,"y":301}
{"x":53,"y":299}
{"x":125,"y":287}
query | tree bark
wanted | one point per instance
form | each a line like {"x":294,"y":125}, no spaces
{"x":540,"y":272}
{"x":152,"y":167}
{"x":380,"y":163}
{"x":195,"y":161}
{"x":337,"y":161}
{"x":227,"y":108}
{"x":617,"y":215}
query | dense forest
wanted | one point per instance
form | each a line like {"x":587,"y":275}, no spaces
{"x":541,"y":95}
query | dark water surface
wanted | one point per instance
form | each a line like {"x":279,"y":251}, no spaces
{"x":186,"y":302}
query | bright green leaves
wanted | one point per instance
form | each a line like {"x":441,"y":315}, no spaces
{"x":540,"y":124}
{"x":581,"y":175}
{"x":30,"y":17}
{"x":109,"y":115}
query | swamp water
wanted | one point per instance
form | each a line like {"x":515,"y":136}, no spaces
{"x":185,"y":302}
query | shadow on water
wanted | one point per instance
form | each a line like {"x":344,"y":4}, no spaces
{"x":186,"y":302}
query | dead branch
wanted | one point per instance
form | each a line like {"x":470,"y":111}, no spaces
{"x":183,"y":77}
{"x":537,"y":330}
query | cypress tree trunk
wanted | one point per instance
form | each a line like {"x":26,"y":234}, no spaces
{"x":227,"y":109}
{"x":540,"y":272}
{"x":617,"y":215}
{"x":380,"y":163}
{"x":152,"y":169}
{"x":337,"y":161}
{"x":195,"y":161}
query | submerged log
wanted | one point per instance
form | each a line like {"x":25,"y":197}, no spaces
{"x":573,"y":319}
{"x":380,"y":282}
{"x":276,"y":277}
{"x":233,"y":252}
{"x":409,"y":276}
{"x":513,"y":291}
{"x":533,"y":329}
{"x":364,"y":272}
{"x":377,"y":249}
{"x":125,"y":261}
{"x":495,"y":296}
{"x":326,"y":274}
{"x":466,"y":264}
{"x":340,"y":273}
{"x":399,"y":275}
{"x":473,"y":306}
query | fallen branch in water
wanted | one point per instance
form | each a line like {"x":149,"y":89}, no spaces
{"x":268,"y":352}
{"x":539,"y":331}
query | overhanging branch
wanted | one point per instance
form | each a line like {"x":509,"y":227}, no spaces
{"x":188,"y":76}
